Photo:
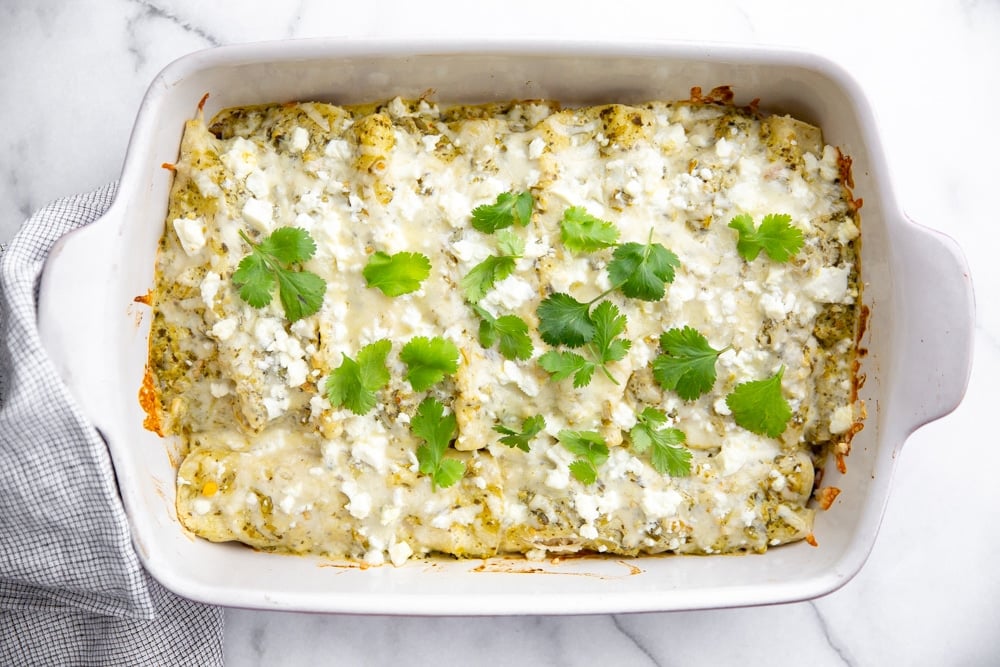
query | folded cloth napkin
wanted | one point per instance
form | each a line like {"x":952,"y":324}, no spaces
{"x":72,"y":590}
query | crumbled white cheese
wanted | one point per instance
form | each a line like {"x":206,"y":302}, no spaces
{"x":260,"y":214}
{"x":241,"y":157}
{"x":299,"y":140}
{"x":224,"y":329}
{"x":258,"y":185}
{"x":399,"y":553}
{"x":191,"y":234}
{"x":829,"y":285}
{"x":210,"y":285}
{"x":535,"y":148}
{"x":842,"y":419}
{"x":742,"y":447}
{"x":509,"y":294}
{"x":219,"y":389}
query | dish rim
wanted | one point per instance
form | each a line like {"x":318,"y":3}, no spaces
{"x":292,"y":50}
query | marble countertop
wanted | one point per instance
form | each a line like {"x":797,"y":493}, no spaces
{"x":73,"y":76}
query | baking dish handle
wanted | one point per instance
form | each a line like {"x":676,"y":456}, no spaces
{"x":937,"y":322}
{"x":74,"y":314}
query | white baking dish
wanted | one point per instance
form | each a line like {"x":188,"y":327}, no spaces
{"x":917,"y":286}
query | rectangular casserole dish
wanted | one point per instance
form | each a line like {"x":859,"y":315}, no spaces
{"x":916,"y":286}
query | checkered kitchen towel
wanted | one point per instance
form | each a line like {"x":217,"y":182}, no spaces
{"x":72,"y":591}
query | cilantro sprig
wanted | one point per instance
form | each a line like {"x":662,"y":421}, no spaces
{"x":582,"y":232}
{"x":428,"y":360}
{"x":277,"y":259}
{"x":641,"y":270}
{"x":437,"y":430}
{"x":354,"y":383}
{"x":509,"y":209}
{"x":562,"y":320}
{"x":638,"y":270}
{"x":687,"y":365}
{"x":511,"y":332}
{"x":760,"y":407}
{"x":604,"y":347}
{"x":666,"y":445}
{"x":776,"y":236}
{"x":397,"y":274}
{"x":483,"y":276}
{"x":590,"y":449}
{"x":530,"y":427}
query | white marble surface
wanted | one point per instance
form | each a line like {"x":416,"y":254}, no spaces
{"x":72,"y":77}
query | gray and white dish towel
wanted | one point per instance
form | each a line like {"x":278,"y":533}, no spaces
{"x":72,"y":589}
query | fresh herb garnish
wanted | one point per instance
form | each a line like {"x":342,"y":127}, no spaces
{"x":562,"y":320}
{"x":483,"y":276}
{"x":397,"y":274}
{"x":506,"y":211}
{"x":759,"y":406}
{"x":604,"y":347}
{"x":437,"y":431}
{"x":641,"y":270}
{"x":582,"y":232}
{"x":428,"y":360}
{"x":530,"y":427}
{"x":668,"y":454}
{"x":354,"y":383}
{"x":510,"y":330}
{"x":561,"y":364}
{"x":271,"y":261}
{"x":776,"y":236}
{"x":591,"y":449}
{"x":688,"y":363}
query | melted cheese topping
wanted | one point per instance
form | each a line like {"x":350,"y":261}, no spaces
{"x":268,"y":461}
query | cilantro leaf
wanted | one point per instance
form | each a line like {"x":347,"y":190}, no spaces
{"x":603,"y":349}
{"x":668,"y":455}
{"x":583,"y":470}
{"x":354,"y":383}
{"x":397,"y":274}
{"x":255,"y":280}
{"x":299,"y":291}
{"x":591,"y":449}
{"x":562,"y":320}
{"x":289,"y":245}
{"x":609,"y":323}
{"x":428,"y":360}
{"x":688,"y":363}
{"x":506,"y":211}
{"x":511,"y":330}
{"x":271,"y":262}
{"x":515,"y":343}
{"x":563,"y":364}
{"x":759,"y":406}
{"x":509,"y":243}
{"x":483,"y":276}
{"x":448,"y":471}
{"x":582,"y":232}
{"x":530,"y":427}
{"x":437,"y":431}
{"x":641,"y":270}
{"x":776,"y":236}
